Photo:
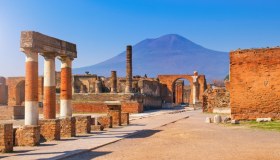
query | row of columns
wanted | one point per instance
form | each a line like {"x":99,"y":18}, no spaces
{"x":31,"y":87}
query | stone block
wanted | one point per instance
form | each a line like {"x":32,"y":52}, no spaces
{"x":208,"y":120}
{"x":105,"y":121}
{"x":263,"y":119}
{"x":27,"y":136}
{"x":83,"y":124}
{"x":234,"y":121}
{"x":217,"y":119}
{"x":115,"y":112}
{"x":6,"y":138}
{"x":125,"y":118}
{"x":67,"y":127}
{"x":227,"y":119}
{"x":49,"y":129}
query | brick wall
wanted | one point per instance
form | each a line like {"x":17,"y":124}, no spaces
{"x":255,"y":83}
{"x":6,"y":138}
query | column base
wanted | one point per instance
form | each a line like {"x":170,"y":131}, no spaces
{"x":83,"y":124}
{"x":6,"y":138}
{"x":49,"y":129}
{"x":67,"y":127}
{"x":28,"y":135}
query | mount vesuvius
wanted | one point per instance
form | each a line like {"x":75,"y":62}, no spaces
{"x":168,"y":54}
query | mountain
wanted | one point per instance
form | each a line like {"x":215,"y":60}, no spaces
{"x":169,"y":54}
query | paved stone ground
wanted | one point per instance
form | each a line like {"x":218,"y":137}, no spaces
{"x":66,"y":147}
{"x":195,"y":140}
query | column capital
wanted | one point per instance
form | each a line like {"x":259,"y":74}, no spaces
{"x":31,"y":56}
{"x":66,"y":62}
{"x":48,"y":55}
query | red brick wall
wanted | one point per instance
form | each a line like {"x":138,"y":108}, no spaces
{"x":255,"y":83}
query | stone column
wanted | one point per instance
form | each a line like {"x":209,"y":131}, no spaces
{"x":66,"y":87}
{"x":98,"y":85}
{"x":31,"y":88}
{"x":195,"y":87}
{"x":113,"y":82}
{"x":49,"y":107}
{"x":128,"y":69}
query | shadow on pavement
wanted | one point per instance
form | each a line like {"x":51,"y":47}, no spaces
{"x":144,"y":133}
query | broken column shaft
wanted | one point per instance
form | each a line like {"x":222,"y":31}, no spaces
{"x":113,"y":82}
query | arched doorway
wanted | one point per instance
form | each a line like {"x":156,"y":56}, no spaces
{"x":181,"y":90}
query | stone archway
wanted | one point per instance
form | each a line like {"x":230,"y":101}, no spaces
{"x":197,"y":83}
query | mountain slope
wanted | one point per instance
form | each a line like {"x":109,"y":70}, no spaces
{"x":169,"y":54}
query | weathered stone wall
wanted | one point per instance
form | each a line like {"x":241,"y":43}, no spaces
{"x":11,"y":112}
{"x":254,"y":83}
{"x":215,"y":98}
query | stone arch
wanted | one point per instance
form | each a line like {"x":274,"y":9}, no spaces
{"x":199,"y":85}
{"x":178,"y":90}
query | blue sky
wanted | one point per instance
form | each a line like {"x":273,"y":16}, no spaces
{"x":102,"y":28}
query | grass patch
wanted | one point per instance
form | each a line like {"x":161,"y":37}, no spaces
{"x":273,"y":125}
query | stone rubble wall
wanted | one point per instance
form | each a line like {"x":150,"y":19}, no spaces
{"x":215,"y":98}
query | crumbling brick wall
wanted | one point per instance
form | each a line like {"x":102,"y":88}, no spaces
{"x":215,"y":98}
{"x":255,"y":83}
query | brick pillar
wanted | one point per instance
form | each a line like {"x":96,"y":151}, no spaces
{"x":66,"y":87}
{"x":128,"y":69}
{"x":49,"y":87}
{"x":113,"y":82}
{"x":31,"y":88}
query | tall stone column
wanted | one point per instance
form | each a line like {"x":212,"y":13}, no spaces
{"x":66,"y":87}
{"x":49,"y":107}
{"x":113,"y":82}
{"x":128,"y":86}
{"x":31,"y":88}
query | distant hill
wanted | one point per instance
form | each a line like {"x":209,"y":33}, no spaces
{"x":169,"y":54}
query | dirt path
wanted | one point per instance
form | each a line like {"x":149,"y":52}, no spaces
{"x":195,"y":140}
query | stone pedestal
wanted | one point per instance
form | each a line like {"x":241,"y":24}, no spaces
{"x":6,"y":138}
{"x":67,"y":127}
{"x":125,"y":118}
{"x":49,"y":129}
{"x":105,"y":121}
{"x":83,"y":124}
{"x":28,"y":135}
{"x":115,"y":112}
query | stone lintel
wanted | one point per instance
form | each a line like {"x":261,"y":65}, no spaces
{"x":40,"y":43}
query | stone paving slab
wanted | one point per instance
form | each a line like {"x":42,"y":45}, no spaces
{"x":68,"y":147}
